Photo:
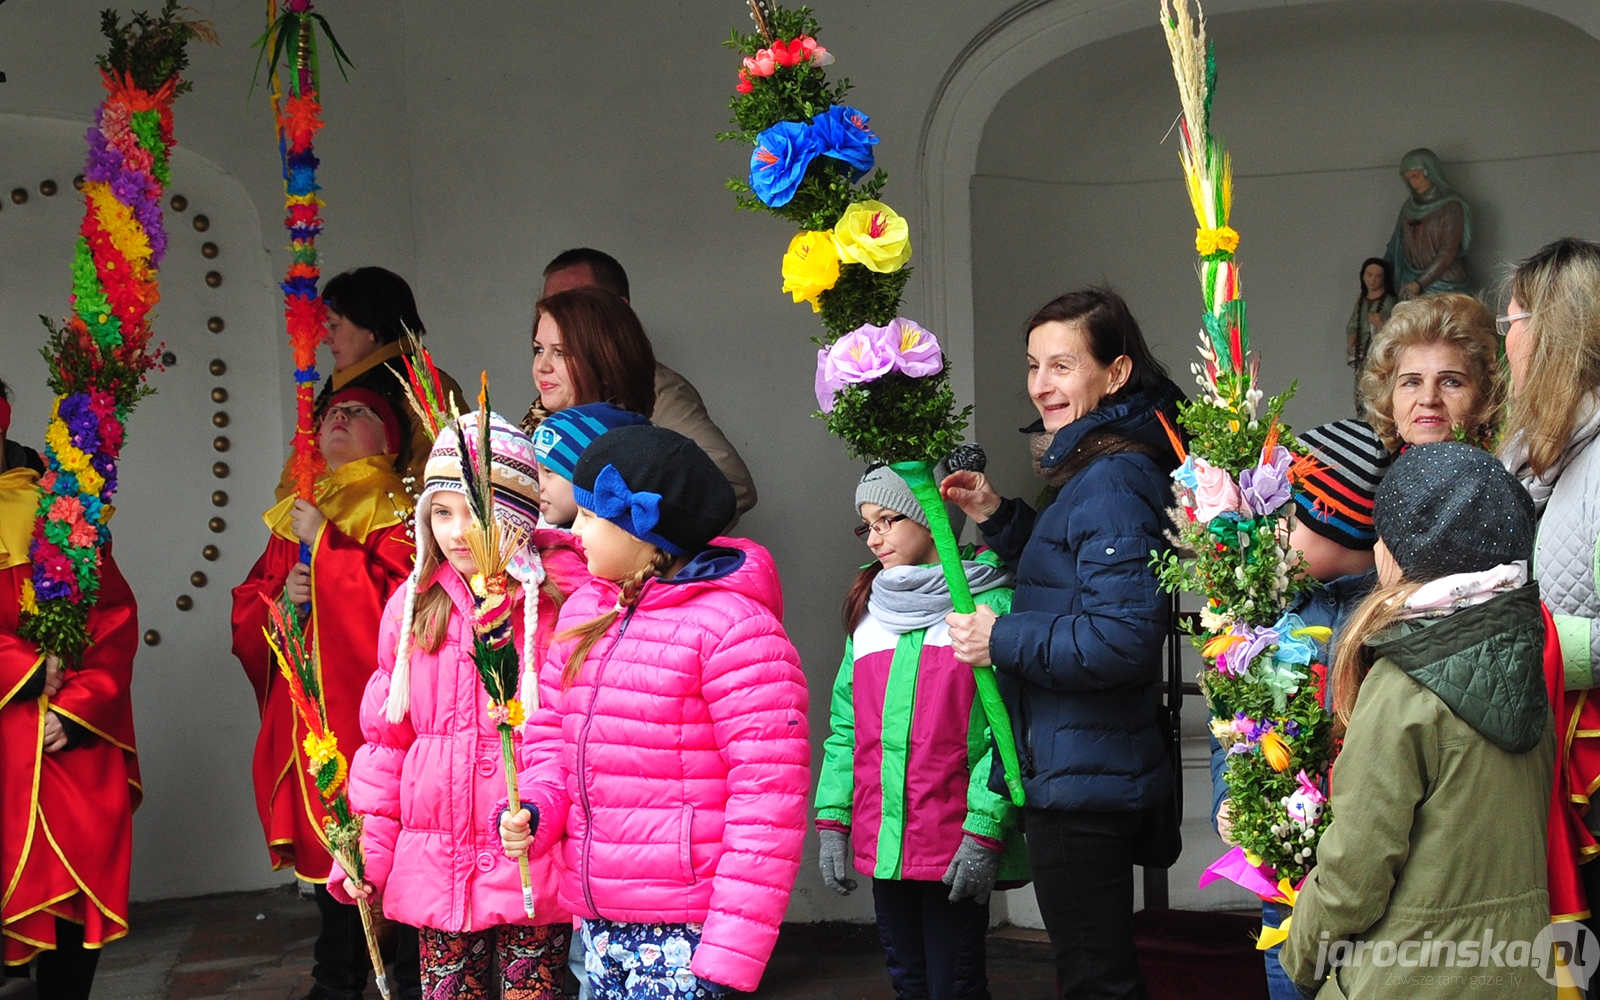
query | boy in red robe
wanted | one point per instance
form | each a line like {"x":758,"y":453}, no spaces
{"x":361,"y":552}
{"x":69,"y":775}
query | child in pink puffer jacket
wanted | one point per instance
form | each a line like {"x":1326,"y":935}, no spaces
{"x":430,"y":776}
{"x":672,"y":767}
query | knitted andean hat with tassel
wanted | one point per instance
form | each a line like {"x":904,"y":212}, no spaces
{"x":516,"y":505}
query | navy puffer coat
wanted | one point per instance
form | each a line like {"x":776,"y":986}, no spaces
{"x":1079,"y":656}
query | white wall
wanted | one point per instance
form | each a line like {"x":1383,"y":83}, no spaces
{"x":1317,"y":104}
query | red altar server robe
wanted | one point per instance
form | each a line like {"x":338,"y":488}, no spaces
{"x":66,"y":818}
{"x":362,"y":555}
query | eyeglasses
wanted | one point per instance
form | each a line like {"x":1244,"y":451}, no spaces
{"x":1502,"y":324}
{"x":879,"y":527}
{"x":353,"y":411}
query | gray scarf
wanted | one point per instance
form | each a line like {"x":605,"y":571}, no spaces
{"x":1515,"y":454}
{"x":908,"y":598}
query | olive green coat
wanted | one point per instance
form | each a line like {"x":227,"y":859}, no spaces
{"x":1440,"y":801}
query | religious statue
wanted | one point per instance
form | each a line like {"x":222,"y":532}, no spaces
{"x":1428,"y":250}
{"x":1375,"y":299}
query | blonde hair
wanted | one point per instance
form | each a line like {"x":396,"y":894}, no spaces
{"x":1452,"y":319}
{"x":592,"y":631}
{"x":1560,"y":287}
{"x":1378,"y":613}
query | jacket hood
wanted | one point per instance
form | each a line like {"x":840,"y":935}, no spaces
{"x":1485,"y":662}
{"x":733,"y":564}
{"x":1133,"y":417}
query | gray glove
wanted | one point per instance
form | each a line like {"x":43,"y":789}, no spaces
{"x":835,"y":861}
{"x":972,"y":871}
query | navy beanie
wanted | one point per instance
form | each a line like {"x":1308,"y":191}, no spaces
{"x":656,"y":485}
{"x":559,"y":441}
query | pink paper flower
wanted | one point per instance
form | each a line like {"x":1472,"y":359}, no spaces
{"x":915,"y":350}
{"x":1216,"y":492}
{"x":857,"y":357}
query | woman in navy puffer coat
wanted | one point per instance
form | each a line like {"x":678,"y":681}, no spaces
{"x":1079,"y":656}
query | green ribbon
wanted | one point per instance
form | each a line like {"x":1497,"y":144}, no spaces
{"x":919,"y":477}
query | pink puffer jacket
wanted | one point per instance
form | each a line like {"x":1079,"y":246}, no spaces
{"x":676,"y":765}
{"x":428,"y":786}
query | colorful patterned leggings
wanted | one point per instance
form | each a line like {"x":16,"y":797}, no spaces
{"x":530,"y":961}
{"x":644,"y":961}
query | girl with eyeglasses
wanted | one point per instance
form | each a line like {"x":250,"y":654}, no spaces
{"x":905,"y":773}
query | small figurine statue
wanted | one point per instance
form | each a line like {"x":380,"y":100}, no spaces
{"x":1375,"y":299}
{"x":1427,"y":253}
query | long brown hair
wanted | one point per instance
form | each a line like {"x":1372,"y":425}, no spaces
{"x":855,"y":602}
{"x":609,"y":357}
{"x":1560,"y":286}
{"x":430,"y":618}
{"x":1379,"y":612}
{"x":592,"y":631}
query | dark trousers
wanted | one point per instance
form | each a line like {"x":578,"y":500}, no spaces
{"x":1083,"y":877}
{"x":1590,"y":873}
{"x":339,"y":956}
{"x":407,"y":977}
{"x":67,"y":973}
{"x":935,"y":947}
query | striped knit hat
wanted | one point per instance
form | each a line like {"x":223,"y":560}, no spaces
{"x":559,"y":441}
{"x":1336,"y":500}
{"x":516,"y":505}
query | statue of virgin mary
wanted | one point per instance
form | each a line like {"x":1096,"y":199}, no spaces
{"x":1428,"y":250}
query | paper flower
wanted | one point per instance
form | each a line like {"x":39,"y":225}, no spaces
{"x":779,"y":162}
{"x":1215,"y":492}
{"x":842,"y":133}
{"x":857,"y":357}
{"x":1235,"y":658}
{"x":874,"y":235}
{"x":915,"y":350}
{"x":1208,"y":242}
{"x":319,"y":750}
{"x":1276,"y":750}
{"x":1266,"y":487}
{"x":810,"y":267}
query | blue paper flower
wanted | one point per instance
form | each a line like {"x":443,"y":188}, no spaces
{"x":842,"y":133}
{"x":779,"y":162}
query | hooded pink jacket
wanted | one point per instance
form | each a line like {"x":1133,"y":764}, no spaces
{"x":428,"y":787}
{"x":673,"y":772}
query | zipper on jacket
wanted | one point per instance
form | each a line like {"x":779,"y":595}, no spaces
{"x":583,"y":752}
{"x":1028,"y":769}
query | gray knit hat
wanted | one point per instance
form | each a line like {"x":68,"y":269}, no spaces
{"x":1451,"y":508}
{"x":883,"y":486}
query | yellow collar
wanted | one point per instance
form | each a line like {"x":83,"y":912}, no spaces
{"x":359,"y":498}
{"x":19,"y":507}
{"x":388,"y":352}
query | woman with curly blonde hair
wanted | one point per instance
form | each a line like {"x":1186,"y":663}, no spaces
{"x":1434,"y":374}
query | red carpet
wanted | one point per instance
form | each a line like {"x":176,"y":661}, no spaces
{"x":1191,"y":955}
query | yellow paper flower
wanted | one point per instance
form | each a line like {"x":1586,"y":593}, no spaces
{"x":1209,"y":241}
{"x":810,"y":267}
{"x":874,"y":235}
{"x":319,"y":750}
{"x":516,"y":716}
{"x":30,"y":604}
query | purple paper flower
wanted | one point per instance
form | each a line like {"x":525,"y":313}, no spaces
{"x":1266,"y":487}
{"x":915,"y":350}
{"x":1236,"y":659}
{"x":857,"y":357}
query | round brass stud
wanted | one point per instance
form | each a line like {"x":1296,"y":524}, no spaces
{"x":185,"y":602}
{"x":19,"y":196}
{"x":215,"y":324}
{"x":219,"y":419}
{"x":197,"y":579}
{"x":219,"y":498}
{"x":218,"y":366}
{"x":220,"y":443}
{"x":214,"y":279}
{"x":47,"y":188}
{"x":152,"y":637}
{"x":179,"y":203}
{"x":219,"y":395}
{"x":217,"y":525}
{"x":219,"y":469}
{"x":168,"y":358}
{"x":211,"y":552}
{"x":77,"y":183}
{"x":208,"y":250}
{"x":201,"y":223}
